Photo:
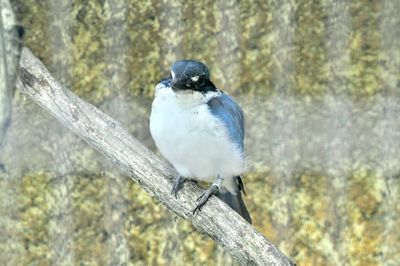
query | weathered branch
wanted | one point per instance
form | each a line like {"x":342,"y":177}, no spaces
{"x":216,"y":219}
{"x":10,"y":48}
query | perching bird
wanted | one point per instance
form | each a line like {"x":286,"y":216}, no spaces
{"x":199,"y":130}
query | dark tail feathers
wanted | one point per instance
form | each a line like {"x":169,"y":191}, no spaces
{"x":235,"y":202}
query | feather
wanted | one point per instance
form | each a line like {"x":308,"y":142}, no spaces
{"x":235,"y":202}
{"x":229,"y":112}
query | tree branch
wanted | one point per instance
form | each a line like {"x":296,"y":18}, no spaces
{"x":10,"y":48}
{"x":155,"y":176}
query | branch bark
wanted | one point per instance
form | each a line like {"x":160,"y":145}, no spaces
{"x":155,"y":176}
{"x":10,"y":48}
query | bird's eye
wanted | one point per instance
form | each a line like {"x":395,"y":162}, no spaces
{"x":201,"y":80}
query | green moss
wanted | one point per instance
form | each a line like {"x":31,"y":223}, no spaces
{"x":104,"y":50}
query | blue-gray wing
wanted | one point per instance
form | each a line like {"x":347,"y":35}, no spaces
{"x":226,"y":109}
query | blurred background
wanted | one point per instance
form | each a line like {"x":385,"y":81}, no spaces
{"x":319,"y":82}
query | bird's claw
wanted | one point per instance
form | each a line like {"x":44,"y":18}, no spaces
{"x":177,"y":186}
{"x":201,"y":201}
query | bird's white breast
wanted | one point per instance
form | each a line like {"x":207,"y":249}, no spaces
{"x":191,"y":138}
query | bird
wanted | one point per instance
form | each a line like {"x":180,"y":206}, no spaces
{"x":199,"y":129}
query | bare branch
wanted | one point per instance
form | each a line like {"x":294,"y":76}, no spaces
{"x":10,"y":48}
{"x":155,"y":176}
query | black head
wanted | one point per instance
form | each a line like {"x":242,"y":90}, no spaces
{"x":190,"y":75}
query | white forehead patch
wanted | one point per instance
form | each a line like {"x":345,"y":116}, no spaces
{"x":172,"y":74}
{"x":195,"y":78}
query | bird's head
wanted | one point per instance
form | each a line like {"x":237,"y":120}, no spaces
{"x":190,"y":75}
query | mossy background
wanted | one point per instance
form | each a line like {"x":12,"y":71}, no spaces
{"x":319,"y":82}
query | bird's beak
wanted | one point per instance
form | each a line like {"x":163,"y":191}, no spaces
{"x":174,"y":84}
{"x":180,"y":83}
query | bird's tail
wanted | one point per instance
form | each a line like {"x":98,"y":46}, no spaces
{"x":235,"y":201}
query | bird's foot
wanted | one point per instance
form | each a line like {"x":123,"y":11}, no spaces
{"x":205,"y":196}
{"x":177,"y":185}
